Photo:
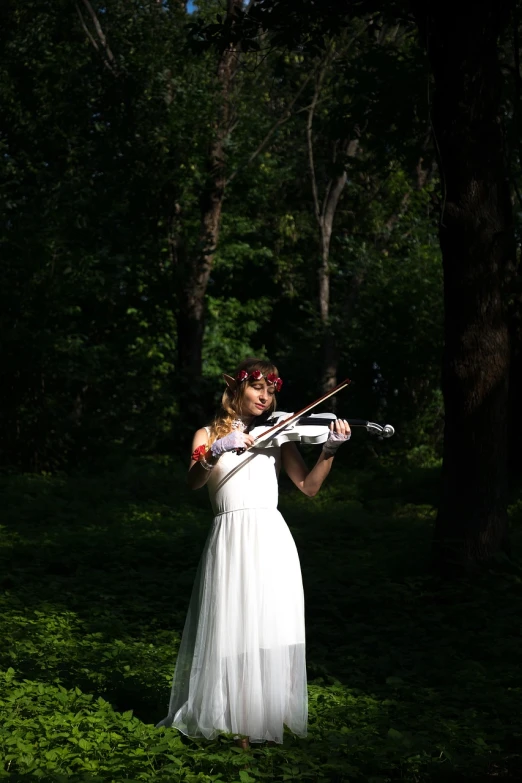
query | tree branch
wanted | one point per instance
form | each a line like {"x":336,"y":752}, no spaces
{"x":277,"y":124}
{"x":309,"y":139}
{"x":322,"y":67}
{"x":107,"y":55}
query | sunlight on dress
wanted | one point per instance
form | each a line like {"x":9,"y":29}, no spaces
{"x":241,"y":665}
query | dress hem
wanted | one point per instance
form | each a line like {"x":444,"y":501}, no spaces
{"x":166,"y":723}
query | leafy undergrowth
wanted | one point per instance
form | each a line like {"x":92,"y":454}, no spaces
{"x":409,"y":679}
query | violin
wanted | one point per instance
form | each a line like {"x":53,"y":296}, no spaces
{"x":313,"y":428}
{"x":301,"y":427}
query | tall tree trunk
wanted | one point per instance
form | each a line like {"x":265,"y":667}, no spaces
{"x":195,"y":271}
{"x":515,"y":392}
{"x":324,"y":214}
{"x":515,"y":316}
{"x":330,"y":354}
{"x":478,"y":251}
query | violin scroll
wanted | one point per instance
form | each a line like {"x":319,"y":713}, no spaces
{"x":381,"y":430}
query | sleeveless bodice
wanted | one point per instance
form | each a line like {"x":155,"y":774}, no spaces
{"x":246,"y":480}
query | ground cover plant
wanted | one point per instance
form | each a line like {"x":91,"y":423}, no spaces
{"x":409,"y":679}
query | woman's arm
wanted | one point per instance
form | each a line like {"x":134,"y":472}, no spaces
{"x":307,"y":481}
{"x":197,"y":475}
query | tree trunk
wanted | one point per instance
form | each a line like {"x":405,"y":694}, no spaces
{"x":330,"y":354}
{"x":515,"y":315}
{"x":195,"y":271}
{"x":478,"y":252}
{"x":515,"y":392}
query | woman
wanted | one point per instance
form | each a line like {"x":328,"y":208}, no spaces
{"x":241,"y":666}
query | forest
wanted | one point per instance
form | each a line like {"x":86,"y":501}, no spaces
{"x":337,"y":187}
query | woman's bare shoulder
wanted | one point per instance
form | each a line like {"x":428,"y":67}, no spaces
{"x":201,"y":436}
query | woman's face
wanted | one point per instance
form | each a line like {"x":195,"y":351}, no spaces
{"x":257,"y":398}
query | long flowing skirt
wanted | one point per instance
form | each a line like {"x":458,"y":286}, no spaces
{"x":241,"y":665}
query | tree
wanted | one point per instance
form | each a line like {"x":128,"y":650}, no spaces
{"x":324,"y":207}
{"x":194,"y":267}
{"x":477,"y":243}
{"x":353,"y":145}
{"x":478,"y":251}
{"x":510,"y":63}
{"x":105,"y":133}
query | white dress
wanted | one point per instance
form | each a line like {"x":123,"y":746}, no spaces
{"x":241,"y":665}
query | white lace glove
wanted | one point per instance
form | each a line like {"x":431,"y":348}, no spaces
{"x":234,"y":440}
{"x":336,"y":439}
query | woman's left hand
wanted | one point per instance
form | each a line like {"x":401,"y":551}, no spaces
{"x":339,"y":433}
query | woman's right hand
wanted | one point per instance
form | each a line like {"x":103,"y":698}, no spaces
{"x":234,"y":440}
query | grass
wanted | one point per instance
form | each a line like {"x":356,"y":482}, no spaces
{"x":409,"y":679}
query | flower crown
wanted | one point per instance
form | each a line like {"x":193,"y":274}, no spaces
{"x":257,"y":375}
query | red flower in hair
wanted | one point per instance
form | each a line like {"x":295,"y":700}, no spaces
{"x":256,"y":375}
{"x":272,"y":378}
{"x":241,"y":376}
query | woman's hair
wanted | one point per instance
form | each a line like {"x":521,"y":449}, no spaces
{"x":232,"y":398}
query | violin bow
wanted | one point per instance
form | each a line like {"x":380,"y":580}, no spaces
{"x":282,"y":424}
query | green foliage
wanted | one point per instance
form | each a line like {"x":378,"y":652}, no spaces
{"x":408,"y":679}
{"x":103,"y":166}
{"x":230,"y":326}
